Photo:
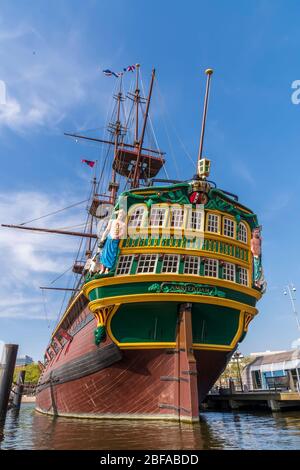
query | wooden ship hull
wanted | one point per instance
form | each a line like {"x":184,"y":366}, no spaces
{"x":151,"y":344}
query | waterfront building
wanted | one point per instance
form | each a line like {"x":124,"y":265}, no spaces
{"x":273,"y":370}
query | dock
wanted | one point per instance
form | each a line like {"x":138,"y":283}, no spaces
{"x":267,"y":399}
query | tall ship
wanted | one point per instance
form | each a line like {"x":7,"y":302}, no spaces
{"x":168,"y":287}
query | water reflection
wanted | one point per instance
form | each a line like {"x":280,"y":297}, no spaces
{"x":217,"y":430}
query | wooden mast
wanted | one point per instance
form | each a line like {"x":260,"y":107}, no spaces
{"x":137,"y":170}
{"x":113,"y":187}
{"x":88,"y":251}
{"x":209,"y":73}
{"x":137,"y":102}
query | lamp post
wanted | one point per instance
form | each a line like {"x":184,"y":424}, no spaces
{"x":236,"y":357}
{"x":290,"y":290}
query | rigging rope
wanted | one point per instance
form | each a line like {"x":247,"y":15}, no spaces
{"x":53,"y":213}
{"x":173,"y":126}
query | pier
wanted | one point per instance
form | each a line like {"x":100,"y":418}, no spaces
{"x":273,"y":400}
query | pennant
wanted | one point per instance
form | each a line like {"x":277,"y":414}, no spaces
{"x":109,"y":73}
{"x":90,"y":163}
{"x":130,"y":68}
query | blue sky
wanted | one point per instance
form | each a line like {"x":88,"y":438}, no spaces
{"x":52,"y":54}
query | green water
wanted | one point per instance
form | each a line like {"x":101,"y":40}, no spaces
{"x":217,"y":430}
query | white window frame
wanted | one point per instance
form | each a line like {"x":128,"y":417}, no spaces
{"x":156,"y":210}
{"x":120,"y":260}
{"x":228,"y":227}
{"x":143,"y":259}
{"x":189,"y":265}
{"x":244,"y":277}
{"x":176,"y":216}
{"x":165,"y":263}
{"x":213,"y":222}
{"x":138,"y":221}
{"x":243,"y":238}
{"x":211,"y":265}
{"x":229,"y":272}
{"x":195,"y":220}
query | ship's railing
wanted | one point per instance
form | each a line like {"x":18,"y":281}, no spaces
{"x":213,"y":244}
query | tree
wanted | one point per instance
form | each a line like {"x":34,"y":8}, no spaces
{"x":32,"y":373}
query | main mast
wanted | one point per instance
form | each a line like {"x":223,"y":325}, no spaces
{"x":203,"y":164}
{"x":137,"y":170}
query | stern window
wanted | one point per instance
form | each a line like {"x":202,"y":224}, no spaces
{"x":244,"y":276}
{"x":147,"y":264}
{"x":170,"y":264}
{"x":229,"y":272}
{"x":191,"y":265}
{"x":242,"y":233}
{"x":124,"y":265}
{"x":211,"y":268}
{"x":229,"y":228}
{"x":213,"y":223}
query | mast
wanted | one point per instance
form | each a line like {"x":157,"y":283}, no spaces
{"x":113,"y":186}
{"x":137,"y":102}
{"x":200,"y":173}
{"x":137,"y":170}
{"x":88,"y":250}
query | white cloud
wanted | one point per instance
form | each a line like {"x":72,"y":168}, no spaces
{"x":296,"y":344}
{"x":44,"y":79}
{"x":30,"y":259}
{"x":244,"y":172}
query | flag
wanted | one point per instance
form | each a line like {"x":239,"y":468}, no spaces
{"x":90,"y":163}
{"x":109,"y":73}
{"x":130,"y":68}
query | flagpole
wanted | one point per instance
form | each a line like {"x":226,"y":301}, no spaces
{"x":209,"y":73}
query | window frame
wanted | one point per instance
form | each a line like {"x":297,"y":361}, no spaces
{"x":207,"y":261}
{"x":189,"y":219}
{"x":130,"y":267}
{"x":184,"y":265}
{"x":131,"y":212}
{"x":234,"y":227}
{"x":161,"y":207}
{"x":172,"y":209}
{"x":242,"y":223}
{"x":233,"y":266}
{"x":208,"y":214}
{"x":163,"y":261}
{"x":154,"y":255}
{"x":245,"y":270}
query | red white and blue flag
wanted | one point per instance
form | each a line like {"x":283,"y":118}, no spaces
{"x":90,"y":163}
{"x":130,"y":68}
{"x":109,"y":73}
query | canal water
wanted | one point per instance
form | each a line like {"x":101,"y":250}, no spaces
{"x":217,"y":430}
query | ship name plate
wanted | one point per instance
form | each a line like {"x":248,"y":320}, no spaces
{"x":186,"y":288}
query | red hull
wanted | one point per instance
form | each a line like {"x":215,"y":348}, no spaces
{"x":142,"y":383}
